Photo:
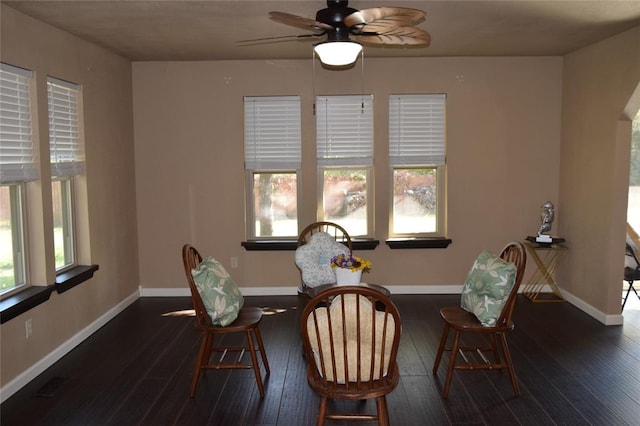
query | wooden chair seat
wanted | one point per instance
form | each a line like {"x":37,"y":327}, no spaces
{"x":459,"y":319}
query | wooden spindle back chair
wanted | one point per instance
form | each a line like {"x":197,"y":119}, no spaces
{"x":350,"y":336}
{"x":461,"y":321}
{"x":247,"y":322}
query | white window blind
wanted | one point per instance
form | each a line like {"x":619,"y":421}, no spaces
{"x":344,"y":130}
{"x":16,"y":142}
{"x":272,"y":133}
{"x":417,"y":129}
{"x":65,"y":145}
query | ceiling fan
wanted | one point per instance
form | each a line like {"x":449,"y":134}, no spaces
{"x":347,"y":29}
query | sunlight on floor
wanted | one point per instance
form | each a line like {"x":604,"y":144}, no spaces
{"x":266,"y":310}
{"x":185,"y":313}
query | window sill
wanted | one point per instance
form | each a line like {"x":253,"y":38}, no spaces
{"x":33,"y":296}
{"x":74,"y":276}
{"x":291,"y":245}
{"x":24,"y":300}
{"x":418,"y":243}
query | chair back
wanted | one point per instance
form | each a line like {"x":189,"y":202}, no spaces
{"x":191,"y":259}
{"x":633,"y":263}
{"x":333,"y":229}
{"x":350,"y":337}
{"x":513,"y":252}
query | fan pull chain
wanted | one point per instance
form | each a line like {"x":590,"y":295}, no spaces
{"x":362,"y":80}
{"x":313,"y":77}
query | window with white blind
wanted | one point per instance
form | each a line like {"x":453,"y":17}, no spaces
{"x":344,"y":146}
{"x":67,"y":161}
{"x":417,"y":154}
{"x":65,"y":145}
{"x":17,"y":167}
{"x":272,"y":155}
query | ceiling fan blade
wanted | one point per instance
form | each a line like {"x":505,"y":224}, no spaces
{"x":299,"y":21}
{"x":399,"y":36}
{"x":251,"y":40}
{"x":388,"y":16}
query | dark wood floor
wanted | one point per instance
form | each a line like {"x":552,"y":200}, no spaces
{"x":137,"y":369}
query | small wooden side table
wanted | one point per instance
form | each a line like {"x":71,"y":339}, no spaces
{"x":546,"y":257}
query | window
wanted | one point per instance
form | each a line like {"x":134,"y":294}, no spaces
{"x":67,"y":162}
{"x":417,"y":159}
{"x":16,"y":169}
{"x":344,"y":144}
{"x":272,"y":165}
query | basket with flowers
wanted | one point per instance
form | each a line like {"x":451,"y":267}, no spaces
{"x":353,"y":263}
{"x":349,"y":269}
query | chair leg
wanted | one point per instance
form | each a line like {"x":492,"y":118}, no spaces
{"x":452,"y":363}
{"x":383,"y":413}
{"x":443,"y":342}
{"x":254,"y":361}
{"x":512,"y":372}
{"x":322,"y":411}
{"x":494,"y":348}
{"x":205,"y":350}
{"x":624,"y":301}
{"x":263,"y":353}
{"x":627,"y":295}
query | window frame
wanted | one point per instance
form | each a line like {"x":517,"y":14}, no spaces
{"x":272,"y":145}
{"x":423,"y":158}
{"x":18,"y":239}
{"x":332,"y":155}
{"x":440,"y":231}
{"x":18,"y":164}
{"x":66,"y":154}
{"x":68,"y":222}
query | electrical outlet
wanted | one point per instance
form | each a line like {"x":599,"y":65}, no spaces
{"x":234,"y":262}
{"x":28,"y":328}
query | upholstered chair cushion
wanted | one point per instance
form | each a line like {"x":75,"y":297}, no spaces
{"x":314,"y":259}
{"x":487,"y":287}
{"x":367,"y":317}
{"x":220,"y":294}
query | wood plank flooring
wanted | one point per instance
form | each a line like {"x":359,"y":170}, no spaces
{"x":137,"y":369}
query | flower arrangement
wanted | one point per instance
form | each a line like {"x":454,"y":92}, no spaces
{"x":353,"y":263}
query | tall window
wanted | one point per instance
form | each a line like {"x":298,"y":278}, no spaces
{"x":272,"y":164}
{"x":344,"y":133}
{"x":67,"y":162}
{"x":16,"y":168}
{"x":417,"y":134}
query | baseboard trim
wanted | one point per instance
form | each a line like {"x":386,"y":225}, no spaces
{"x":21,"y":380}
{"x":394,"y":289}
{"x":605,"y":319}
{"x":293,"y":290}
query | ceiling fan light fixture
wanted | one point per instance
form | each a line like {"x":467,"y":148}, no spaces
{"x":338,"y":53}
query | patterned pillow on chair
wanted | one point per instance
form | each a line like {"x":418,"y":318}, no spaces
{"x":487,"y":287}
{"x":314,"y":259}
{"x":220,"y":294}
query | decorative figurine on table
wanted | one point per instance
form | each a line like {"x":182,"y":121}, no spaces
{"x":546,"y":217}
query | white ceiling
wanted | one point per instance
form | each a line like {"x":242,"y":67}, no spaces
{"x":211,"y":30}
